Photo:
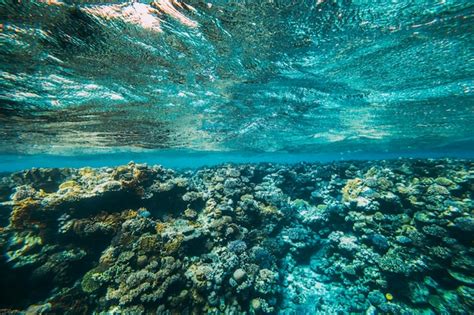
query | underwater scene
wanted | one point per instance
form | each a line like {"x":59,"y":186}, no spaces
{"x":236,"y":157}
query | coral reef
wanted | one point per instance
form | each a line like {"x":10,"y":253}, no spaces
{"x":391,"y":237}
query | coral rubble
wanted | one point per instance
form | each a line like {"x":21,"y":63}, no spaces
{"x":387,"y":237}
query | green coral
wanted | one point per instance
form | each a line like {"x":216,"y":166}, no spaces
{"x":92,"y":280}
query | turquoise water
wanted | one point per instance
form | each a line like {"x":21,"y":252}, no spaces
{"x":182,"y":159}
{"x":255,"y":76}
{"x":236,"y":157}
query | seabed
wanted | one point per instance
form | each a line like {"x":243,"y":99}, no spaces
{"x":373,"y":237}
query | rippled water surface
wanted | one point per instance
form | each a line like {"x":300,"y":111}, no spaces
{"x":290,"y":76}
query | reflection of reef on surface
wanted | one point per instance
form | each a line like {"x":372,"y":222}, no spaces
{"x":381,"y":236}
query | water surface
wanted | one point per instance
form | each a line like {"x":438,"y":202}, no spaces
{"x":253,"y":76}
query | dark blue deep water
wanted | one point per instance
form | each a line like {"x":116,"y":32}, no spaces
{"x":290,"y":157}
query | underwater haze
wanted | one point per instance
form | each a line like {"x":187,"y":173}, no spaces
{"x":236,"y":157}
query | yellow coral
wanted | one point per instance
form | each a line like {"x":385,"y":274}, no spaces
{"x":371,"y":172}
{"x":138,"y":175}
{"x":131,"y":214}
{"x":149,"y":243}
{"x":246,"y":197}
{"x":194,"y":224}
{"x":121,"y":169}
{"x":107,"y":256}
{"x":384,"y":183}
{"x":352,"y":189}
{"x":22,"y":210}
{"x":268,"y":209}
{"x":388,"y":296}
{"x":160,"y":227}
{"x":69,"y":184}
{"x":173,"y":245}
{"x":42,"y":193}
{"x":87,"y":172}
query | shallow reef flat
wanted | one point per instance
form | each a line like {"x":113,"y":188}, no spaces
{"x":374,"y":237}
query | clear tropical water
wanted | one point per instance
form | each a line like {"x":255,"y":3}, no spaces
{"x":291,"y":157}
{"x":252,"y":76}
